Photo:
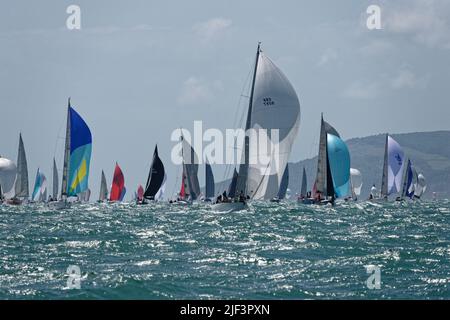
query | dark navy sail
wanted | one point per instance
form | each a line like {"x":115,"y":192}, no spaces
{"x":284,"y":184}
{"x":155,"y":177}
{"x":209,"y":190}
{"x":304,"y":187}
{"x":324,"y":182}
{"x":233,"y":185}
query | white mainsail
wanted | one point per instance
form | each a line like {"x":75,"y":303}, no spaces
{"x":8,"y":172}
{"x":273,"y":105}
{"x":103,"y":196}
{"x":21,"y":187}
{"x":55,"y":181}
{"x":160,"y":194}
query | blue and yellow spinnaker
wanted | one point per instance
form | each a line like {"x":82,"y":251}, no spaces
{"x":80,"y":154}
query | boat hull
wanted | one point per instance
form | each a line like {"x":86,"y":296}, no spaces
{"x":14,"y":202}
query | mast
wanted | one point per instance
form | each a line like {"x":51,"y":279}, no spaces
{"x":243,"y":168}
{"x":66,"y":156}
{"x":384,"y":182}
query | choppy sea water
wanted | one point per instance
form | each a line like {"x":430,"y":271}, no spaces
{"x":270,"y":251}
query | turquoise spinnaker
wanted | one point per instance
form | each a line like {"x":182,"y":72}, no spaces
{"x":80,"y":154}
{"x":339,"y":161}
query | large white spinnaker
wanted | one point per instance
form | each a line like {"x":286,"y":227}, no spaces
{"x":8,"y":172}
{"x":420,"y":186}
{"x":274,"y":106}
{"x":356,"y":181}
{"x":393,"y":167}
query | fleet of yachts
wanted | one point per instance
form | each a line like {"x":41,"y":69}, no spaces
{"x":273,"y":104}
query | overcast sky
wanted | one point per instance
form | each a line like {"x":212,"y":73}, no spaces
{"x":137,"y":70}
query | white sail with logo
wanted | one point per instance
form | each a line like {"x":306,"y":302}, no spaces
{"x":274,"y":106}
{"x":393,"y":167}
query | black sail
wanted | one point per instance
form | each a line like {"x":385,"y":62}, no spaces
{"x":233,"y":185}
{"x":209,"y":182}
{"x":155,"y":177}
{"x":323,"y":178}
{"x":284,"y":184}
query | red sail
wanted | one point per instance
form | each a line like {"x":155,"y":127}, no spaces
{"x":118,"y":184}
{"x":140,"y":193}
{"x":182,"y":191}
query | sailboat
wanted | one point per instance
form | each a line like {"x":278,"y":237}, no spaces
{"x":333,"y":167}
{"x":103,"y":194}
{"x":273,"y":104}
{"x":154,"y":189}
{"x":21,"y":184}
{"x":8,"y":172}
{"x":356,"y":183}
{"x":77,"y":157}
{"x":303,"y":196}
{"x":190,"y":187}
{"x":118,"y":189}
{"x":40,"y":187}
{"x":283,"y":186}
{"x":415,"y":184}
{"x":407,"y":190}
{"x":393,"y":168}
{"x":226,"y":202}
{"x":209,"y":185}
{"x":54,"y":196}
{"x":139,"y":194}
{"x":420,"y":187}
